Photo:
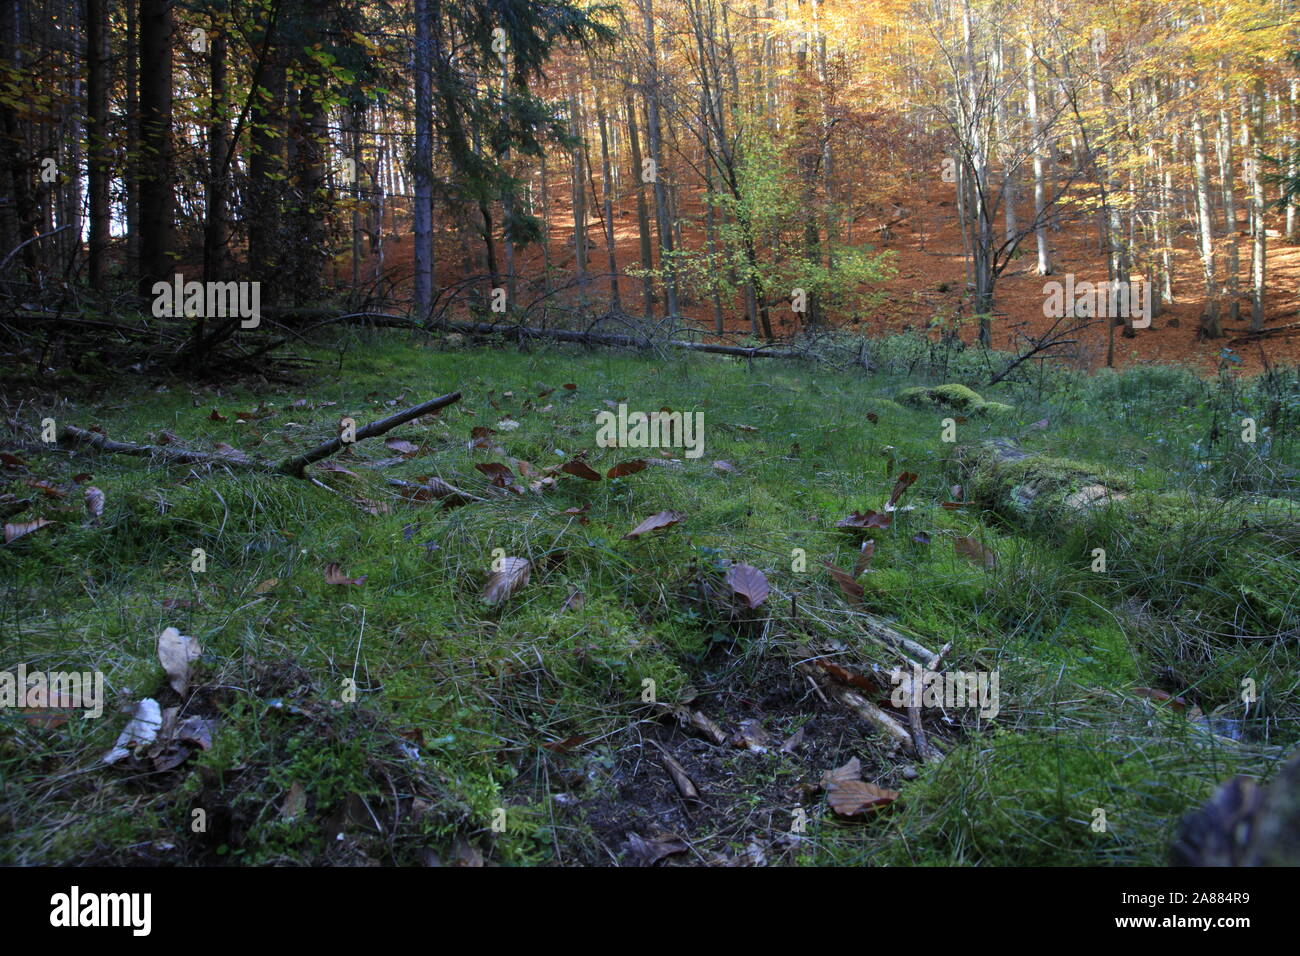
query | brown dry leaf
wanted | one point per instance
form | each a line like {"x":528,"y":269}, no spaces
{"x":295,"y":802}
{"x":793,"y":742}
{"x":525,"y":469}
{"x":851,"y":588}
{"x":746,"y":428}
{"x":266,"y":585}
{"x":624,"y":468}
{"x":334,"y":575}
{"x":865,"y":554}
{"x":1179,"y":704}
{"x":434,"y":488}
{"x":567,"y":744}
{"x":846,"y":676}
{"x":724,"y":466}
{"x":403,"y":447}
{"x":177,"y":653}
{"x":574,"y":602}
{"x":748,"y":583}
{"x":216,"y":416}
{"x":952,"y":505}
{"x":857,"y":521}
{"x":197,"y":731}
{"x":685,"y":785}
{"x":569,"y":385}
{"x":18,"y":529}
{"x":54,"y":713}
{"x":752,"y":736}
{"x":94,"y":501}
{"x":905,"y":481}
{"x":81,"y":477}
{"x":850,"y":796}
{"x":11,"y":461}
{"x":501,"y":584}
{"x":45,"y":488}
{"x":649,"y":852}
{"x":580,"y":469}
{"x":663,"y":519}
{"x":701,"y":722}
{"x":972,"y":550}
{"x":481,"y":432}
{"x":501,"y":475}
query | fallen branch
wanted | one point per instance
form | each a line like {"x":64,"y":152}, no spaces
{"x":859,"y":705}
{"x":294,"y":466}
{"x":70,"y":435}
{"x":607,"y":338}
{"x":436,"y":488}
{"x":1257,"y":334}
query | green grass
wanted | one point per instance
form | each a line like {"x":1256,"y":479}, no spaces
{"x":456,"y":701}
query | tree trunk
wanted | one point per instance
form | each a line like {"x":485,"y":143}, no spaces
{"x":1036,"y":145}
{"x":99,"y":165}
{"x":422,"y":165}
{"x":156,"y":198}
{"x":642,"y":213}
{"x":216,"y":228}
{"x":655,"y":136}
{"x":1258,"y":250}
{"x":607,"y":175}
{"x":1210,"y":324}
{"x":1226,"y":174}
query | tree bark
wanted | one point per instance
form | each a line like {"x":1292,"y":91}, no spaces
{"x":99,"y":164}
{"x":156,"y":197}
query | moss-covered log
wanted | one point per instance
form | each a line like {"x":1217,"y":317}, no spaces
{"x":1041,"y":491}
{"x":957,"y":398}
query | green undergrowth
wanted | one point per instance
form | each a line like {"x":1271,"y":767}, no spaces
{"x":402,"y":719}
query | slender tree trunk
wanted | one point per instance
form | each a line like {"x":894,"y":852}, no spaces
{"x":1258,"y":258}
{"x":99,"y":165}
{"x":1210,"y":324}
{"x":422,"y":165}
{"x":1226,"y":174}
{"x":1036,"y":145}
{"x":607,"y":175}
{"x":216,"y":229}
{"x":156,"y":197}
{"x":642,"y":213}
{"x":654,"y":134}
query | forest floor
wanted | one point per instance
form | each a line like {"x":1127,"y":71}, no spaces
{"x":525,"y":732}
{"x":930,"y":276}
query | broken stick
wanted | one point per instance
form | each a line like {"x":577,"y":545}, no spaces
{"x":71,"y":435}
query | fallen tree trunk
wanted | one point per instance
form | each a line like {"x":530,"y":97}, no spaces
{"x":71,"y":436}
{"x":519,"y":332}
